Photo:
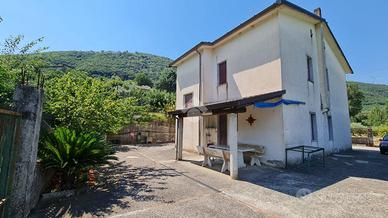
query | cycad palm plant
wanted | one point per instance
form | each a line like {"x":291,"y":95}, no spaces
{"x":70,"y":153}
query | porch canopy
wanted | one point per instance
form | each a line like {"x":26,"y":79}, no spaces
{"x":229,"y":107}
{"x":235,"y":106}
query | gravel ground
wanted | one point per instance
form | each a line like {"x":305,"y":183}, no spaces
{"x":147,"y":182}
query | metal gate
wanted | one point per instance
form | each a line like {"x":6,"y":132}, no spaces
{"x":9,"y":123}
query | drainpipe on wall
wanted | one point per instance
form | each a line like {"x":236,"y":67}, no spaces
{"x":200,"y":78}
{"x":200,"y":121}
{"x":322,"y":65}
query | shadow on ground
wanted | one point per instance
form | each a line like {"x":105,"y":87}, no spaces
{"x":120,"y":185}
{"x":123,"y":148}
{"x":154,"y":145}
{"x":302,"y":180}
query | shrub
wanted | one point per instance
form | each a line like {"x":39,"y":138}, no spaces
{"x":71,"y":153}
{"x":380,"y":131}
{"x":88,"y":104}
{"x":358,"y":129}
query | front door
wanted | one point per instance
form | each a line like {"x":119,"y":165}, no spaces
{"x":223,"y":129}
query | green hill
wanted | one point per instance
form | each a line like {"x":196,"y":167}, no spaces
{"x":375,"y":94}
{"x":107,"y":64}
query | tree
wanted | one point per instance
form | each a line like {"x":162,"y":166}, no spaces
{"x":7,"y":87}
{"x":88,"y":104}
{"x":159,"y":100}
{"x":378,"y":115}
{"x":142,"y":79}
{"x":167,"y":81}
{"x":355,"y":97}
{"x":17,"y":66}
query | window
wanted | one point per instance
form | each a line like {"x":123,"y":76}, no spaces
{"x":222,"y":73}
{"x":188,"y":100}
{"x":310,"y":72}
{"x":330,"y":125}
{"x":314,"y":131}
{"x":327,"y":80}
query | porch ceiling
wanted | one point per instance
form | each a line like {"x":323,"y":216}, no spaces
{"x":235,"y":106}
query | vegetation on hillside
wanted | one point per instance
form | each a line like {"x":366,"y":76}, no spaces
{"x":107,"y":63}
{"x":375,"y":94}
{"x":355,"y":97}
{"x":362,"y":113}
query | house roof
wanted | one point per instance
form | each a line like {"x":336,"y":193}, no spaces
{"x":234,"y":106}
{"x":261,"y":14}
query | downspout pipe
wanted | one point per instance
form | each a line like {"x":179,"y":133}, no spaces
{"x":200,"y":120}
{"x":200,"y":78}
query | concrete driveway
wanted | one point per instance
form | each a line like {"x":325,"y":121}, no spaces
{"x":147,"y":182}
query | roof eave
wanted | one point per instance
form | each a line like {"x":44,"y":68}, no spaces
{"x":239,"y":103}
{"x":196,"y":47}
{"x":277,"y":4}
{"x":340,"y":49}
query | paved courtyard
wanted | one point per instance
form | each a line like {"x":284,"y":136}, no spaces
{"x":147,"y":182}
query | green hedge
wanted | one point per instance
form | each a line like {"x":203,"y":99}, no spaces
{"x":358,"y":129}
{"x":380,"y":131}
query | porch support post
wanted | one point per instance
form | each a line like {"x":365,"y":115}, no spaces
{"x":202,"y":130}
{"x":233,"y":145}
{"x":179,"y":139}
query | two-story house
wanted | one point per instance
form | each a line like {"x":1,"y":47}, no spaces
{"x":283,"y":53}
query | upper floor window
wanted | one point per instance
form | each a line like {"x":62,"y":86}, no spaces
{"x":188,"y":100}
{"x":222,"y":73}
{"x":310,"y":72}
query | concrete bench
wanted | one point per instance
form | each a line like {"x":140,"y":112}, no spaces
{"x":217,"y":153}
{"x":223,"y":153}
{"x":255,"y":155}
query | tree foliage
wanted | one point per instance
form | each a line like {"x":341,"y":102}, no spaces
{"x":356,"y":98}
{"x":142,"y":79}
{"x":107,"y":63}
{"x":154,"y":100}
{"x":159,"y":100}
{"x":88,"y":104}
{"x":375,"y":94}
{"x":17,"y":66}
{"x":378,"y":115}
{"x":167,"y":81}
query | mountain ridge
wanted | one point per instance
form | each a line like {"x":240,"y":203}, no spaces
{"x":375,"y":94}
{"x":108,"y":63}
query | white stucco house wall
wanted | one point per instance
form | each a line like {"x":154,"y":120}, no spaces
{"x":284,"y":49}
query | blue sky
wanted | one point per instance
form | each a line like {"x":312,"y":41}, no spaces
{"x":170,"y":27}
